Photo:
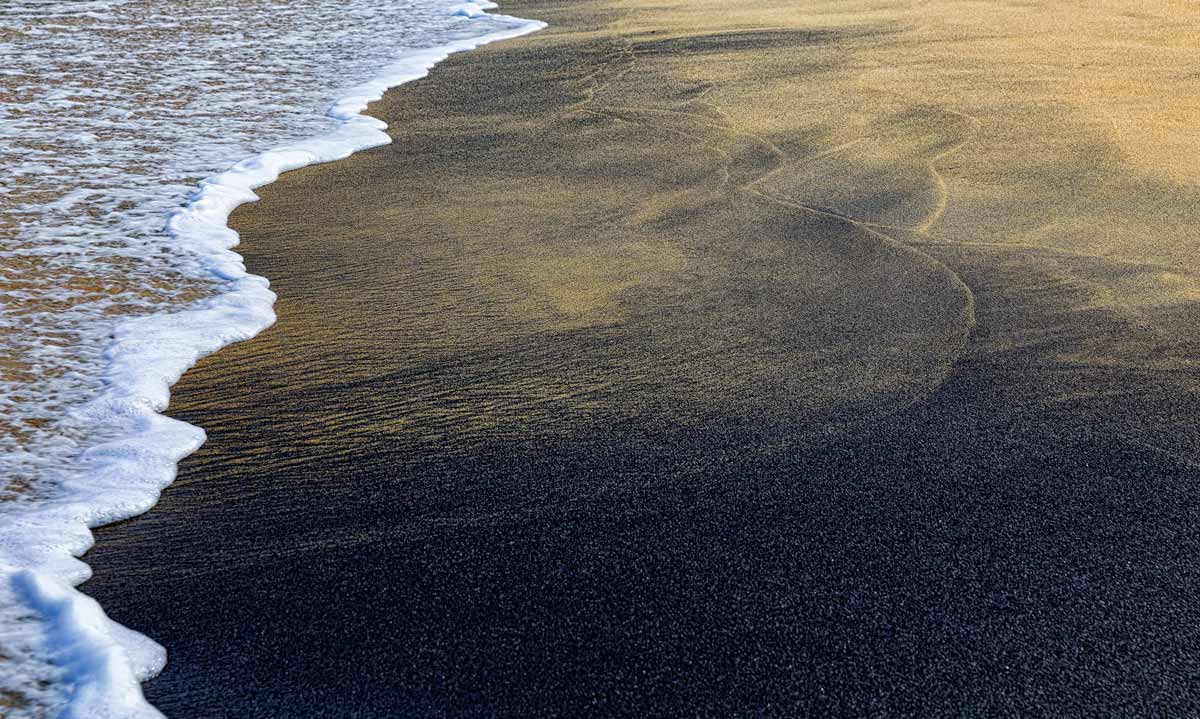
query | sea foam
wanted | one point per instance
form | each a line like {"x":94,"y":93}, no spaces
{"x":89,"y":442}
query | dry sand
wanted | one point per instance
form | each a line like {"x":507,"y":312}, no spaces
{"x":714,"y":359}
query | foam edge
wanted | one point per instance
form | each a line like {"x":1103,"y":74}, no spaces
{"x":106,"y":663}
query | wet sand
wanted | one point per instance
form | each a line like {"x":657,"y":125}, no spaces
{"x":689,"y":360}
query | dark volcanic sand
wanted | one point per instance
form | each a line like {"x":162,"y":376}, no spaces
{"x":587,"y":398}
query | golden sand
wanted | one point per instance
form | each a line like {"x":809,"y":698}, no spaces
{"x":702,"y":209}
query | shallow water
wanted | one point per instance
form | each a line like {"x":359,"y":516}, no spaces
{"x":111,"y":112}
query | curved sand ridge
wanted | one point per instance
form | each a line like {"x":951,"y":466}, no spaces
{"x":882,"y":183}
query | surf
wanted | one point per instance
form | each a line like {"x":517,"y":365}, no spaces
{"x":125,"y":273}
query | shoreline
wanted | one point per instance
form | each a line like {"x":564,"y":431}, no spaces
{"x":570,"y":421}
{"x":103,"y":662}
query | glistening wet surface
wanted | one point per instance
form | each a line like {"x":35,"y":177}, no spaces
{"x":111,"y":112}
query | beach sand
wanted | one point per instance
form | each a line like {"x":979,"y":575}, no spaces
{"x":713,"y":359}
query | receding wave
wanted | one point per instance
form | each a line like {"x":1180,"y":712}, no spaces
{"x":118,"y":273}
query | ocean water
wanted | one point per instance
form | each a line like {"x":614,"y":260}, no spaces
{"x":129,"y":129}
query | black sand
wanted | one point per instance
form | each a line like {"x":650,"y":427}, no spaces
{"x":590,"y":396}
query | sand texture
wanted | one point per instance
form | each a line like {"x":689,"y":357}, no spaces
{"x":714,"y":359}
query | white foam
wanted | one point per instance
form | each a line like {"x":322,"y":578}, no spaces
{"x":103,"y":664}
